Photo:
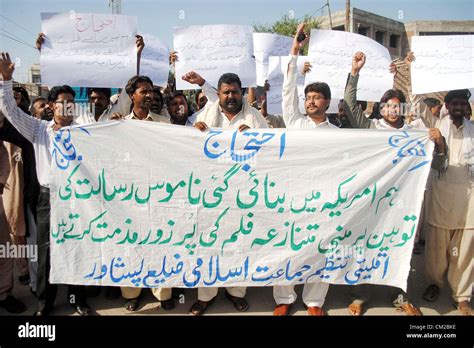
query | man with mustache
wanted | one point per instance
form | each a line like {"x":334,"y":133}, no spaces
{"x":140,"y":90}
{"x":230,"y":111}
{"x":450,"y":209}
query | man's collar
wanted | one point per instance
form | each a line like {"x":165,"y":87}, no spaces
{"x":135,"y":117}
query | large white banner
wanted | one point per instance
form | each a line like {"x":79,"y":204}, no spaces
{"x":442,"y":63}
{"x":150,"y":205}
{"x":213,"y":50}
{"x":154,"y":61}
{"x":331,"y":51}
{"x":88,"y":49}
{"x":266,"y":45}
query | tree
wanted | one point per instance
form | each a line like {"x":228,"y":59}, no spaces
{"x":287,"y":26}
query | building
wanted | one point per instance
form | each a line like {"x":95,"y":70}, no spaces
{"x":394,"y":35}
{"x":34,"y":74}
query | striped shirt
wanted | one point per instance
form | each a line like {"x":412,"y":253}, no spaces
{"x":38,"y":132}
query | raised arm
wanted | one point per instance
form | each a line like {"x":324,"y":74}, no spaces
{"x":140,"y":46}
{"x":194,"y":78}
{"x":40,"y":41}
{"x":290,"y":102}
{"x":27,"y":125}
{"x":353,"y":111}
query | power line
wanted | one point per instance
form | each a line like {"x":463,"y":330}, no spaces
{"x":312,"y":13}
{"x":12,"y":38}
{"x":18,"y":25}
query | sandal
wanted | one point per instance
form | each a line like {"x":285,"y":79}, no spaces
{"x":355,"y":309}
{"x":199,"y":307}
{"x":431,"y":293}
{"x":410,"y":310}
{"x":132,"y":304}
{"x":239,"y":303}
{"x":464,"y":308}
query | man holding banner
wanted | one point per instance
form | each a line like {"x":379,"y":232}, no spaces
{"x":140,"y":91}
{"x":391,"y":105}
{"x":40,"y":134}
{"x":230,"y":111}
{"x":450,"y":209}
{"x":317,"y":100}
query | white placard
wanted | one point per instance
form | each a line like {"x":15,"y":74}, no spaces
{"x":266,"y":45}
{"x":88,"y":49}
{"x":277,"y":67}
{"x":213,"y":50}
{"x":442,"y":63}
{"x":154,"y":62}
{"x":330,"y":53}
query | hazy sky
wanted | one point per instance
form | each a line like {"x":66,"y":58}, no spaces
{"x":20,"y":19}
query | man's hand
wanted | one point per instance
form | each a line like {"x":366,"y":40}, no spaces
{"x":40,"y":41}
{"x":298,"y":45}
{"x":140,"y":44}
{"x":173,"y":57}
{"x":6,"y":67}
{"x":201,"y":126}
{"x":409,"y":58}
{"x":306,"y":68}
{"x":358,"y":62}
{"x":393,"y":68}
{"x":435,"y":135}
{"x":2,"y":186}
{"x":266,"y":86}
{"x":243,"y":127}
{"x":193,"y":78}
{"x":117,"y":116}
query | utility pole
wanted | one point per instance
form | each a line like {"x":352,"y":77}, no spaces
{"x":115,"y":6}
{"x":348,"y":12}
{"x":329,"y":12}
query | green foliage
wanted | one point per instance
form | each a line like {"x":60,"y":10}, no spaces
{"x":287,"y":26}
